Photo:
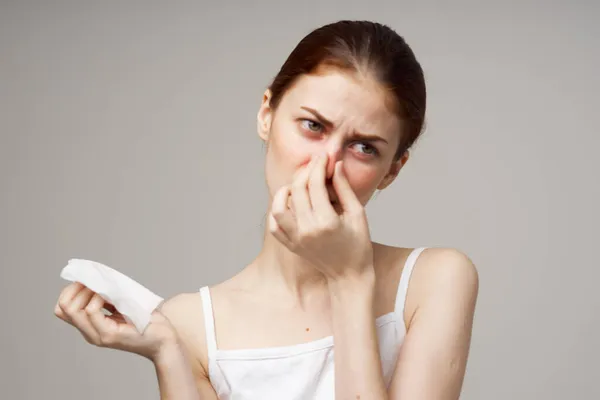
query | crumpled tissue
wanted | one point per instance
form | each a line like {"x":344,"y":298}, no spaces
{"x":135,"y":302}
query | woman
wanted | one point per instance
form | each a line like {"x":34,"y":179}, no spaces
{"x":338,"y":121}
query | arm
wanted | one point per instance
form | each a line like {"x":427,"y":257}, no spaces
{"x":434,"y":354}
{"x":176,"y":379}
{"x":337,"y":243}
{"x":358,"y":373}
{"x":181,"y":375}
{"x":168,"y":341}
{"x":433,"y":358}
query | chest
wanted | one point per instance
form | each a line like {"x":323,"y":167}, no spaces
{"x":250,"y":321}
{"x":299,"y":371}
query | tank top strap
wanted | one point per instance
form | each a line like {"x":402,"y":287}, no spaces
{"x":404,"y":281}
{"x":209,"y":322}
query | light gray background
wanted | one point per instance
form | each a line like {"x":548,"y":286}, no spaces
{"x":128,"y":136}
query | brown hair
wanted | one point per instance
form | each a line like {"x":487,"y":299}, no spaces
{"x":368,"y":48}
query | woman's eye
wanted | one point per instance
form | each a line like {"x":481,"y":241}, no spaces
{"x":367,"y":149}
{"x":311,"y":125}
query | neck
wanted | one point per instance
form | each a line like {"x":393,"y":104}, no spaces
{"x":280,"y":269}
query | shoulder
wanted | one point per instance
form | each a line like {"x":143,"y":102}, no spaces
{"x":185,"y":312}
{"x":447,"y":268}
{"x":441,"y":304}
{"x":440,"y":276}
{"x":433,"y":267}
{"x":443,"y":279}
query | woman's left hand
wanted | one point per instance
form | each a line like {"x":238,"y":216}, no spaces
{"x":338,"y":245}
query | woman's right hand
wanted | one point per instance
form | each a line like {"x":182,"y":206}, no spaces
{"x":82,"y":308}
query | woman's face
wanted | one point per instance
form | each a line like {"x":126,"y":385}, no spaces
{"x":338,"y":114}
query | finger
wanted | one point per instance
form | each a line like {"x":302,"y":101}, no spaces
{"x":300,"y":197}
{"x":279,"y":233}
{"x":79,"y":317}
{"x":111,"y":312}
{"x":63,"y":305}
{"x":95,"y":314}
{"x":110,"y":308}
{"x":117,"y":318}
{"x":80,"y":301}
{"x":281,"y":214}
{"x":102,"y":324}
{"x":346,"y":196}
{"x":319,"y":197}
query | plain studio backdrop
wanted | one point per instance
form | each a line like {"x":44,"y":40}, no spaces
{"x":128,"y":137}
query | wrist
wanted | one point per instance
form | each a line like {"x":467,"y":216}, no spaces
{"x":353,"y":290}
{"x":353,"y":281}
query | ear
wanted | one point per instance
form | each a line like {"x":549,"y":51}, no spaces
{"x":394,"y":170}
{"x":264,"y":117}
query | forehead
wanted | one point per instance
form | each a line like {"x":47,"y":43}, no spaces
{"x":345,"y":98}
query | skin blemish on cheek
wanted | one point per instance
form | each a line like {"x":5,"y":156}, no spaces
{"x":307,"y":329}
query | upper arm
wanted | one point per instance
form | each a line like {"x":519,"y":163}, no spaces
{"x":205,"y":389}
{"x":184,"y":311}
{"x":433,"y":356}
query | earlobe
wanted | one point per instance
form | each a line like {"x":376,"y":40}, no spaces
{"x":263,"y":119}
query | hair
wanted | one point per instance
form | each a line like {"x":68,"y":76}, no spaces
{"x":370,"y":49}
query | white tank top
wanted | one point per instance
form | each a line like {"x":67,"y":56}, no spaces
{"x":301,"y":371}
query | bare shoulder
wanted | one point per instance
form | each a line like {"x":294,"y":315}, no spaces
{"x":185,"y":313}
{"x":443,"y":278}
{"x":446,"y":268}
{"x":439,"y":275}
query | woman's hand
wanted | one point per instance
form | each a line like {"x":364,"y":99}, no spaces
{"x":82,"y":308}
{"x":337,"y":244}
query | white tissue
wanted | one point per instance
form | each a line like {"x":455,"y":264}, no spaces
{"x":135,"y":302}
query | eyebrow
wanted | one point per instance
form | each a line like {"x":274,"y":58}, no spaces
{"x":329,"y":124}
